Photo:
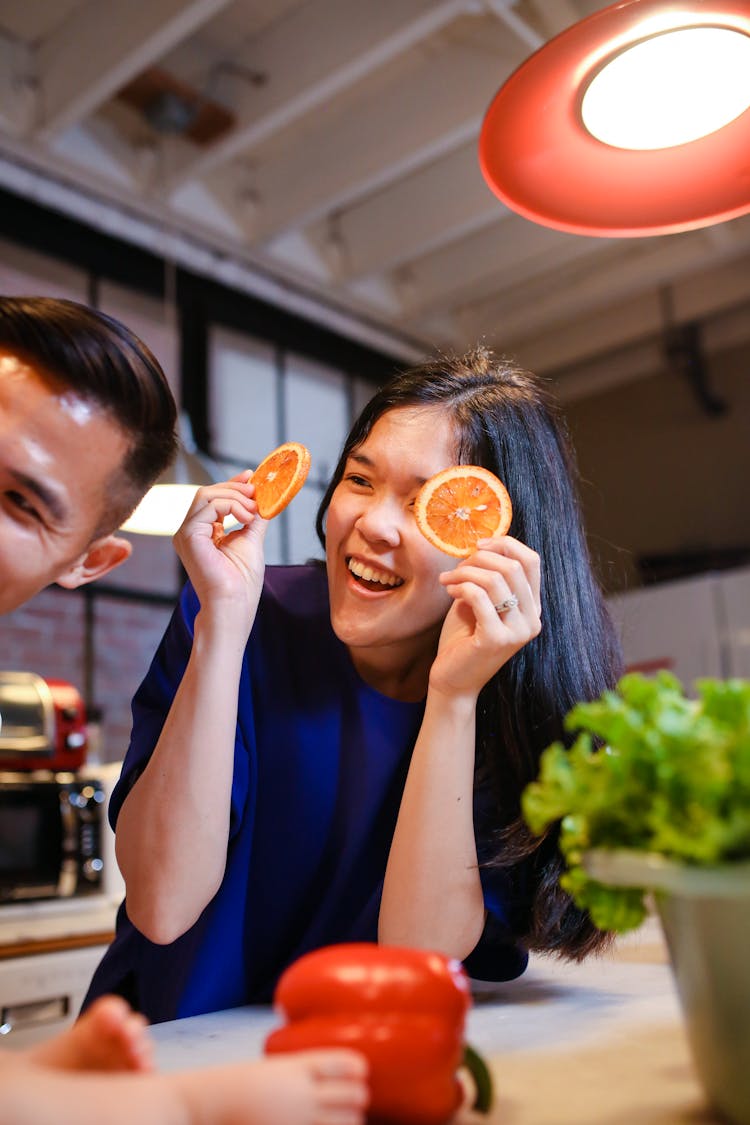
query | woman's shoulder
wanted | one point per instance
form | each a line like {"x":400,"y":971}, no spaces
{"x":297,"y":591}
{"x":292,"y":641}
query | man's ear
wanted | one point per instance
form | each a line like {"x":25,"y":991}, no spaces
{"x":101,"y":556}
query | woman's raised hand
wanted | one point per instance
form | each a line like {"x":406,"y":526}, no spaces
{"x":496,"y":611}
{"x":224,"y":565}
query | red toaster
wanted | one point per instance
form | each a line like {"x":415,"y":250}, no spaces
{"x":42,"y":723}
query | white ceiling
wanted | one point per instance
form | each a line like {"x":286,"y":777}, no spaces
{"x":348,"y":179}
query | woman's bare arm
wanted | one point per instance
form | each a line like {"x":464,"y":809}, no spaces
{"x":432,"y":894}
{"x":172,"y":830}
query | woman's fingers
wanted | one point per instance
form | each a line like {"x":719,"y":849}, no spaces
{"x":242,"y":491}
{"x":478,"y":638}
{"x":498,"y":583}
{"x":231,"y":502}
{"x":519,"y":621}
{"x":504,"y":570}
{"x":212,"y":504}
{"x":507,"y":547}
{"x":221,"y":507}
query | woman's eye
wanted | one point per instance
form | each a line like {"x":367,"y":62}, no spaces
{"x":353,"y":478}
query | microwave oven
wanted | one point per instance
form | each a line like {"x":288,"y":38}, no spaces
{"x":52,"y":836}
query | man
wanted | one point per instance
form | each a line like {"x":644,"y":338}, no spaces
{"x":87,"y":423}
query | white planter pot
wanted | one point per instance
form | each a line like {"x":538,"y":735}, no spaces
{"x":705,"y":915}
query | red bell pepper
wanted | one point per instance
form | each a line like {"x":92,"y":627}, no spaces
{"x":404,"y":1009}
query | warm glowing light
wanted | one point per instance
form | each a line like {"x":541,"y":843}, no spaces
{"x":671,"y":89}
{"x":162,"y":509}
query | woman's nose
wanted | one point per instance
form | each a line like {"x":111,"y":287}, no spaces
{"x":380,"y":522}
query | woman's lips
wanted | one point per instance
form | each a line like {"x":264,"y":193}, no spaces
{"x":372,"y":577}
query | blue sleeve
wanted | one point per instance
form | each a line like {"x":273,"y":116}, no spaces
{"x":497,"y":955}
{"x":152,"y":702}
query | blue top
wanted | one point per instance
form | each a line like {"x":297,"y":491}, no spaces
{"x":320,"y":763}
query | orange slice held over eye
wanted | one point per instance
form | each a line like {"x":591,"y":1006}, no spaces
{"x":279,"y":477}
{"x":461,"y":505}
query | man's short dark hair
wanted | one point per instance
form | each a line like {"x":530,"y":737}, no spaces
{"x":103,"y":362}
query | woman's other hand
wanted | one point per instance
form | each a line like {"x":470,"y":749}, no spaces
{"x":479,"y":634}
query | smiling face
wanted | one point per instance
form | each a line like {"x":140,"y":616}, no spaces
{"x":57,"y":454}
{"x":387,"y":605}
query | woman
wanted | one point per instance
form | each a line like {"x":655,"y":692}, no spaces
{"x":323,"y":756}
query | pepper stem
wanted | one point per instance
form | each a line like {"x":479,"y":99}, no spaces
{"x":481,"y":1077}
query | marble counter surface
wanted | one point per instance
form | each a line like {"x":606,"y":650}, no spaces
{"x":600,"y":1043}
{"x":56,"y":919}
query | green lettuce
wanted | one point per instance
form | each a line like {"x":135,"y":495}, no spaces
{"x":651,"y":770}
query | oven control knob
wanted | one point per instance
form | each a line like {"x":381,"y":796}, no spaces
{"x":92,"y":869}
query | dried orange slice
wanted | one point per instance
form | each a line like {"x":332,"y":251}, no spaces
{"x":459,"y":506}
{"x":279,"y":477}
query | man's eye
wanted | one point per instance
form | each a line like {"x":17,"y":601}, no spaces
{"x":20,"y":502}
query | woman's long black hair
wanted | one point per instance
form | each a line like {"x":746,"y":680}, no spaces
{"x":506,"y":420}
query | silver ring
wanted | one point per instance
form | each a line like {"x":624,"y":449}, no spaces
{"x":509,"y":603}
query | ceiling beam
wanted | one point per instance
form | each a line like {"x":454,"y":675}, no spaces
{"x":17,"y":92}
{"x":507,"y":250}
{"x":586,"y":310}
{"x":98,"y":151}
{"x":641,"y":354}
{"x":438,"y":203}
{"x":377,"y":139}
{"x":348,"y":47}
{"x":100,"y":47}
{"x":556,"y":15}
{"x":639,"y":360}
{"x":504,"y":10}
{"x":161,"y":232}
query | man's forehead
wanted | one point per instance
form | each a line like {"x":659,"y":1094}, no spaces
{"x":54,"y":442}
{"x":77,"y":406}
{"x":20,"y":363}
{"x":14,"y":365}
{"x":22,"y":457}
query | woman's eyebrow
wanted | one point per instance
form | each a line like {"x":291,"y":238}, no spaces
{"x":47,"y":496}
{"x":363,"y":459}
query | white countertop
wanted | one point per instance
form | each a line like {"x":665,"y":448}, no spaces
{"x":56,"y":919}
{"x":598,"y":1043}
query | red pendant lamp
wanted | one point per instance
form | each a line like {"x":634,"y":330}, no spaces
{"x":552,"y":156}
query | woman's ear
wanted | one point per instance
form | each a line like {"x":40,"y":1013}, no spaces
{"x":101,"y":556}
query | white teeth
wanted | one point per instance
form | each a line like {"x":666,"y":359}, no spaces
{"x":370,"y":575}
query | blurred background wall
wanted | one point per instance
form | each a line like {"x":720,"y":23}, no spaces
{"x":663,"y":455}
